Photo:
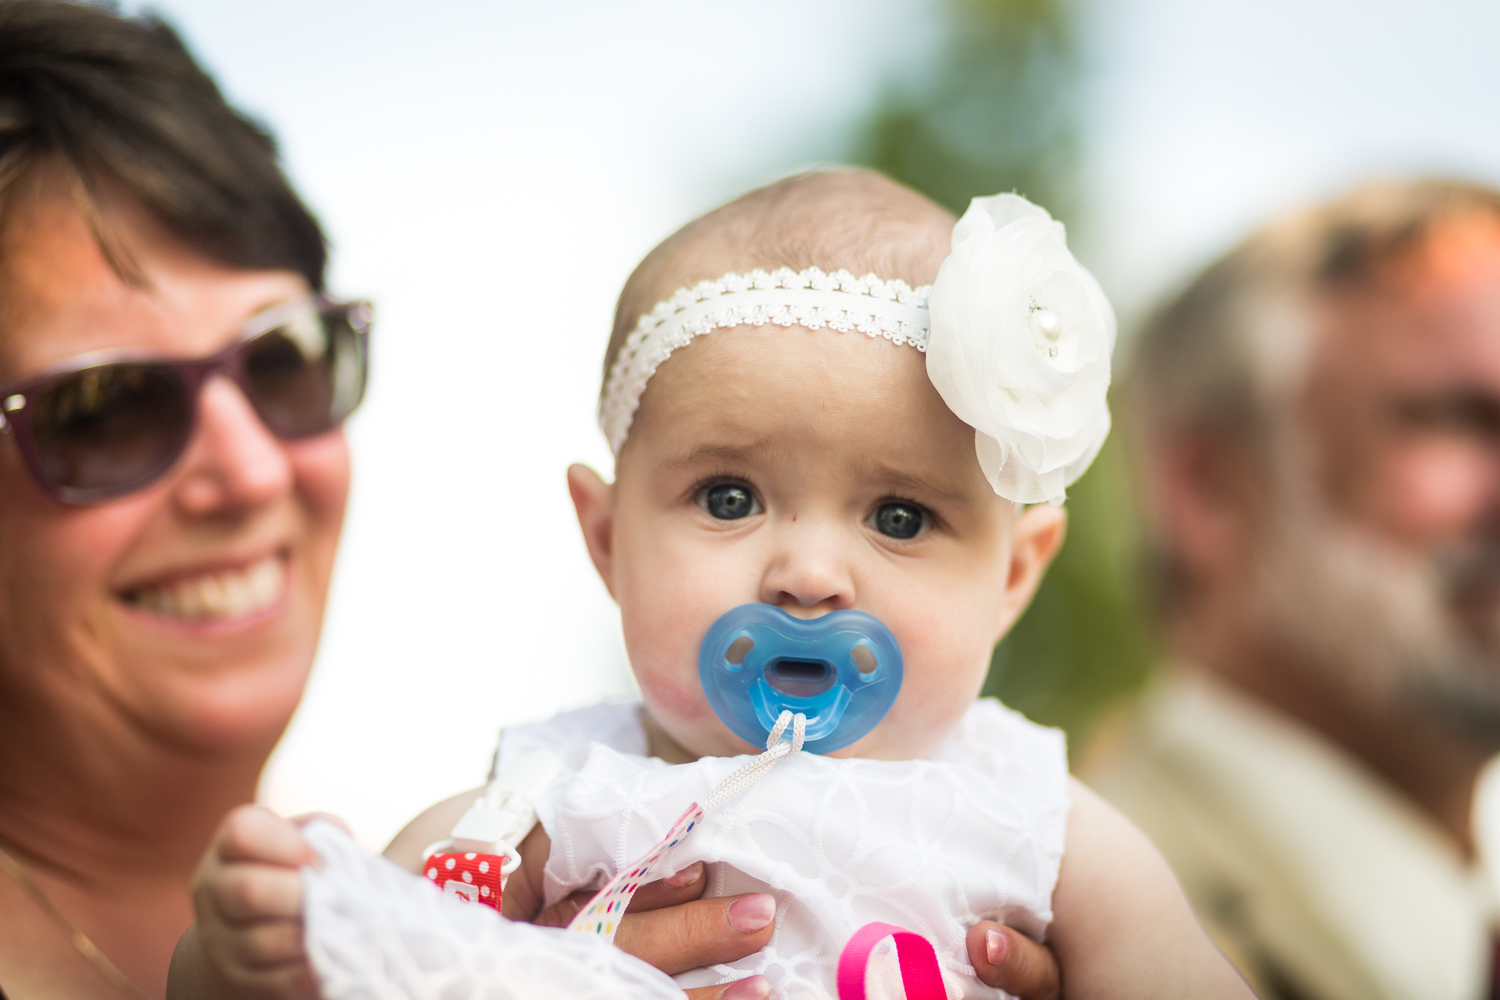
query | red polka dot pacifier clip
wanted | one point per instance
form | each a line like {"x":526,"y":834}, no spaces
{"x":481,"y":852}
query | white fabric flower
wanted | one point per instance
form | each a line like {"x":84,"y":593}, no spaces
{"x":1020,"y":348}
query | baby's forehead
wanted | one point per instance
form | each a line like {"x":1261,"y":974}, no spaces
{"x":840,"y":365}
{"x":830,"y":391}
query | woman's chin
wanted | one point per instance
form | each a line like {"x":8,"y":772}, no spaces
{"x":238,"y":708}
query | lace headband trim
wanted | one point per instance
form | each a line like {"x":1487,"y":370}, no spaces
{"x":811,"y":299}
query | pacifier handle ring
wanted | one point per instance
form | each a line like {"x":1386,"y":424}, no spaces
{"x":921,"y":975}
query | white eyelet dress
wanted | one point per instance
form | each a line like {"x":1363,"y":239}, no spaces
{"x":973,"y":832}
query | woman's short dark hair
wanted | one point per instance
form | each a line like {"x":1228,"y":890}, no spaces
{"x":116,"y":96}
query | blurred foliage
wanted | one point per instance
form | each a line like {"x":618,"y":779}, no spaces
{"x":999,"y":111}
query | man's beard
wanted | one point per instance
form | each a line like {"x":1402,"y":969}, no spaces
{"x":1417,"y":633}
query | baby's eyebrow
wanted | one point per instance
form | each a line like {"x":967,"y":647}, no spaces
{"x":917,"y":484}
{"x":729,"y":454}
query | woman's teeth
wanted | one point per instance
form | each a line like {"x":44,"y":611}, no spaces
{"x":230,"y":594}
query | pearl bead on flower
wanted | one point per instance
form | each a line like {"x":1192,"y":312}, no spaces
{"x":1044,"y":323}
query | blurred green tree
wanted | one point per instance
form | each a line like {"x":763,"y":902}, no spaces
{"x":999,"y":110}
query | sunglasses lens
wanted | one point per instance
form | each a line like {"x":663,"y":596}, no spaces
{"x":106,"y":430}
{"x":308,"y":374}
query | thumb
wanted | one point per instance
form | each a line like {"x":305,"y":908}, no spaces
{"x":1009,"y":960}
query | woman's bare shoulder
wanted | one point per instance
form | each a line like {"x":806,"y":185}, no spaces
{"x":431,"y":825}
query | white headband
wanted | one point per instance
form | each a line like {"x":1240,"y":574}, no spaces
{"x":1017,"y":334}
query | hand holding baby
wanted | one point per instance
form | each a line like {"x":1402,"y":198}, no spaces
{"x":248,"y":895}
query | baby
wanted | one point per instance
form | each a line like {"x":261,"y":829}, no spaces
{"x":792,"y":436}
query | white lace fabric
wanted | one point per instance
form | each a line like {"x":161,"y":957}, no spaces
{"x":374,"y":931}
{"x":974,"y":832}
{"x":812,"y":299}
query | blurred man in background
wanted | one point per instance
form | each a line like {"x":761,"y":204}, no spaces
{"x":1319,"y":415}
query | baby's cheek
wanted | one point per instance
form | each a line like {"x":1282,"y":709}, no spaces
{"x":681,"y":708}
{"x":663,"y":654}
{"x":945,"y":669}
{"x":673,"y":696}
{"x":932,"y":709}
{"x":946,"y":650}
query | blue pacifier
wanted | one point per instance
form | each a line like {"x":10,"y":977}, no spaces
{"x":841,"y":671}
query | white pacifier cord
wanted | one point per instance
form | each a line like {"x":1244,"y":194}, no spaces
{"x":776,"y":749}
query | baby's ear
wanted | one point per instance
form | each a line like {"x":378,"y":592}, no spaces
{"x":594,"y":500}
{"x":1035,"y":537}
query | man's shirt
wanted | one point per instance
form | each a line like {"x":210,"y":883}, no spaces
{"x":1316,"y":877}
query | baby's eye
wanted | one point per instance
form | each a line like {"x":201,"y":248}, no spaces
{"x":729,"y":502}
{"x":898,"y":519}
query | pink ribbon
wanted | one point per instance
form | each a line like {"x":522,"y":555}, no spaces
{"x":920,"y":975}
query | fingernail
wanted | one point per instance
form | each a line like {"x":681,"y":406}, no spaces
{"x":749,"y":914}
{"x":754,"y":988}
{"x":995,"y":947}
{"x":687,"y":876}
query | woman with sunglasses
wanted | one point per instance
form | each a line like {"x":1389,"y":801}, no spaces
{"x":172,"y":485}
{"x":173,"y":477}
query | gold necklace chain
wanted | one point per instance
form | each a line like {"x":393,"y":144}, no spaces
{"x":88,"y":949}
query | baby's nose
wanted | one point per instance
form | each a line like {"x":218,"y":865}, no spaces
{"x":810,"y":572}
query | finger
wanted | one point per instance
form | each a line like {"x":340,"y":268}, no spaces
{"x":264,"y":946}
{"x":245,"y":892}
{"x":754,"y":988}
{"x":1009,"y":960}
{"x":702,"y":932}
{"x":685,"y":886}
{"x":560,"y":913}
{"x":254,"y":833}
{"x":291,"y":981}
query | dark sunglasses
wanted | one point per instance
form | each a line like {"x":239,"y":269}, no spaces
{"x":102,"y":425}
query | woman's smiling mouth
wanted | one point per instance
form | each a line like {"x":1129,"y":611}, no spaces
{"x":217,"y":596}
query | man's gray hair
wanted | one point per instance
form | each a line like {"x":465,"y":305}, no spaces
{"x":1225,"y":354}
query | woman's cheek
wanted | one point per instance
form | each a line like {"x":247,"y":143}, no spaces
{"x":322,"y":469}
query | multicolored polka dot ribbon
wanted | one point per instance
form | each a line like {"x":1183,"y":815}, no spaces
{"x":602,"y":914}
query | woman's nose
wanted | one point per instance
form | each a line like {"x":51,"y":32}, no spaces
{"x":233,"y":462}
{"x":809,"y":570}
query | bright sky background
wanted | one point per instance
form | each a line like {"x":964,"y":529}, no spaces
{"x":489,"y":173}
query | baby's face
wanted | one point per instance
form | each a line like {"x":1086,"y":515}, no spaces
{"x":815,"y":471}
